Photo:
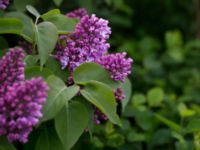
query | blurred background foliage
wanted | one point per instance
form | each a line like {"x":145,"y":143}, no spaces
{"x":163,"y":39}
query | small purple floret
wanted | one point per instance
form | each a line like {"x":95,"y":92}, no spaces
{"x":4,"y":4}
{"x":119,"y":95}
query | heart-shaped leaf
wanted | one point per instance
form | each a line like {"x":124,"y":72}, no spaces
{"x":46,"y":38}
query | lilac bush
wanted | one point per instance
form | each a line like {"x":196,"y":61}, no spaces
{"x":50,"y":93}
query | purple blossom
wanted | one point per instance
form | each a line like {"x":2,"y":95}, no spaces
{"x":119,"y":95}
{"x":3,"y":4}
{"x":118,"y":66}
{"x":77,"y":13}
{"x":99,"y":116}
{"x":20,"y":100}
{"x":87,"y":44}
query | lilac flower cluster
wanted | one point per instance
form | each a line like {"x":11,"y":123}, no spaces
{"x":118,"y":66}
{"x":78,"y":13}
{"x":3,"y":4}
{"x":21,"y":100}
{"x":88,"y":43}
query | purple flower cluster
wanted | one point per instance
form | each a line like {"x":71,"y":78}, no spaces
{"x":78,"y":13}
{"x":87,"y":44}
{"x":3,"y":4}
{"x":20,"y":100}
{"x":118,"y":66}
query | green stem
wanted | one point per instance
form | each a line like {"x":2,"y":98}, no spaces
{"x":34,"y":41}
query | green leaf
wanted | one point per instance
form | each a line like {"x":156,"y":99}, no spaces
{"x":193,"y":125}
{"x":109,"y":128}
{"x":138,"y":99}
{"x":173,"y":39}
{"x":155,"y":96}
{"x":157,"y":139}
{"x":115,"y":140}
{"x":20,"y":5}
{"x":58,"y":2}
{"x":46,"y":38}
{"x":126,"y":88}
{"x":97,"y":142}
{"x":91,"y":71}
{"x":50,"y":13}
{"x":168,"y":122}
{"x":181,"y":145}
{"x":33,"y":11}
{"x":103,"y":98}
{"x":31,"y":60}
{"x":70,"y":123}
{"x":55,"y":67}
{"x":62,"y":22}
{"x":37,"y":72}
{"x":10,"y":26}
{"x":197,"y":140}
{"x":5,"y":145}
{"x":27,"y":32}
{"x":144,"y":119}
{"x":48,"y":140}
{"x":176,"y":54}
{"x":58,"y":96}
{"x":136,"y":137}
{"x":184,"y":111}
{"x":90,"y":109}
